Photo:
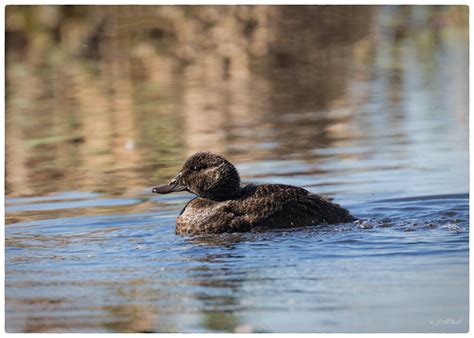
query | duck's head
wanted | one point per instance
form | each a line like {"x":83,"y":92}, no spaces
{"x":207,"y":175}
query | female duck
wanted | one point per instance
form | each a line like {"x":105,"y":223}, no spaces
{"x":222,"y":205}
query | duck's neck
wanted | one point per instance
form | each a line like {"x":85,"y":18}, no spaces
{"x":224,"y":194}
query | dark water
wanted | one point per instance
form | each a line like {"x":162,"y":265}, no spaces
{"x":378,"y":120}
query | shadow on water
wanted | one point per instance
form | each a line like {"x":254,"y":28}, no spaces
{"x":366,"y":104}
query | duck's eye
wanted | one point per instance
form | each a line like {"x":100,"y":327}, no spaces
{"x":195,"y":168}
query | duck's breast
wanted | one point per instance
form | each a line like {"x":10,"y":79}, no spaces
{"x":204,"y":216}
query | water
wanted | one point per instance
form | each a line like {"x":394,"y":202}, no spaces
{"x":90,"y":249}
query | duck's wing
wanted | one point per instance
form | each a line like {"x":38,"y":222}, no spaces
{"x":281,"y":206}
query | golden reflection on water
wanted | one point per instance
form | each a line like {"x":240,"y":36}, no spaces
{"x":109,"y":98}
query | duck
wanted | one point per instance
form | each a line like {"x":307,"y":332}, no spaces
{"x":223,"y":205}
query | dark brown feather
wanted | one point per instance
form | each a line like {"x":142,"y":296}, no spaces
{"x":223,"y":205}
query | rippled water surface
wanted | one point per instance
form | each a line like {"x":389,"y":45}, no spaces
{"x":375,"y":115}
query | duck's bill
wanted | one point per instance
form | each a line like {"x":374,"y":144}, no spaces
{"x":174,"y":186}
{"x":166,"y":189}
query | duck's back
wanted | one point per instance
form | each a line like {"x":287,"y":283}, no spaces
{"x":286,"y":206}
{"x":265,"y":206}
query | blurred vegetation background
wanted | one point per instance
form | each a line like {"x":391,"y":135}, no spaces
{"x":113,"y":98}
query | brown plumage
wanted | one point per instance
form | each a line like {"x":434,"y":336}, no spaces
{"x":223,"y":205}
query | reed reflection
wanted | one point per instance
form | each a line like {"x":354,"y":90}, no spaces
{"x":147,"y":86}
